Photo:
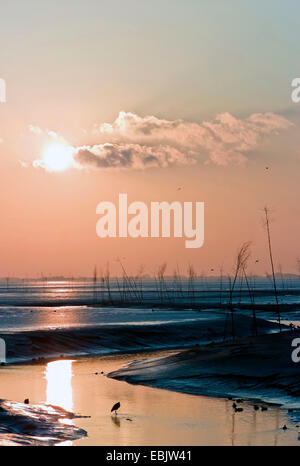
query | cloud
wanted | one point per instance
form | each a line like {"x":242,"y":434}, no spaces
{"x":136,"y":142}
{"x":134,"y":156}
{"x":40,"y":132}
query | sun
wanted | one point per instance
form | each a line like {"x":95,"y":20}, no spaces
{"x":58,"y":157}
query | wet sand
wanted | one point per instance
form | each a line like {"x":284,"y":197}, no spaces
{"x":258,"y":368}
{"x":148,"y":416}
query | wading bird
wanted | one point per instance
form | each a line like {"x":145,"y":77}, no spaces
{"x":115,"y":407}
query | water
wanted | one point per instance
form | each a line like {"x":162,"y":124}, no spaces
{"x":147,"y":416}
{"x":43,"y":320}
{"x":40,"y":304}
{"x":49,"y":318}
{"x":205,"y":291}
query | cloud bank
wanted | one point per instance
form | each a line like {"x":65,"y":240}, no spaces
{"x":136,"y":142}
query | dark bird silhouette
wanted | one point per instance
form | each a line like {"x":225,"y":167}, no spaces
{"x":264,"y":408}
{"x":284,"y":427}
{"x":256,"y":407}
{"x":26,"y":401}
{"x":234,"y":405}
{"x":115,"y":407}
{"x":239,"y":410}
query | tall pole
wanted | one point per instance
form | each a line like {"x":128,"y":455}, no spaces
{"x":272,"y":265}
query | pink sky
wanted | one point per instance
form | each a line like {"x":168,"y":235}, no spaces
{"x":147,"y":105}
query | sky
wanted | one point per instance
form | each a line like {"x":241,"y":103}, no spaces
{"x":150,"y":97}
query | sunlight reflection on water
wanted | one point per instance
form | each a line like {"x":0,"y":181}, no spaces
{"x":59,"y":384}
{"x":59,"y":388}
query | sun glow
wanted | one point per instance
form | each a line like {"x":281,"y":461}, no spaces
{"x":58,"y":157}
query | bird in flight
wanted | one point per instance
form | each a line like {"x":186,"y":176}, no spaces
{"x":115,"y":407}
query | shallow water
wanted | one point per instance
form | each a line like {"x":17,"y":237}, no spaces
{"x":205,"y":290}
{"x":147,"y":416}
{"x":34,"y":326}
{"x":45,"y":318}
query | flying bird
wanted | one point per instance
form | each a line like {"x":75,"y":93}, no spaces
{"x":115,"y":407}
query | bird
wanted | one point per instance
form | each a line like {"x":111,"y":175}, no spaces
{"x":238,"y":410}
{"x":256,"y":407}
{"x":284,"y":427}
{"x":264,"y":408}
{"x":26,"y":401}
{"x":115,"y":407}
{"x":234,"y":405}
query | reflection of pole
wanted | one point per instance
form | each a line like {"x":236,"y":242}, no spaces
{"x":276,"y":428}
{"x":233,"y":429}
{"x":272,"y":265}
{"x":253,"y":429}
